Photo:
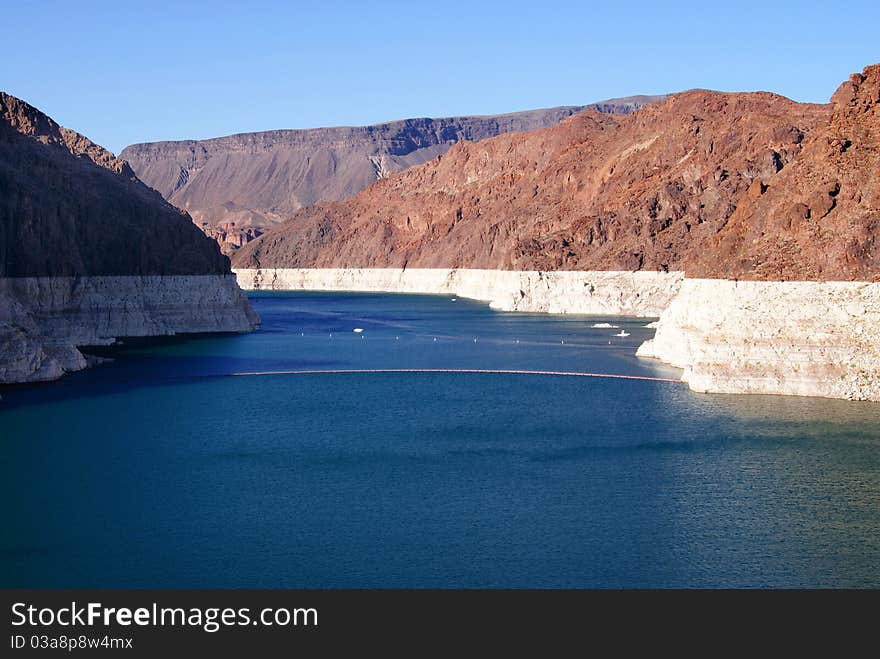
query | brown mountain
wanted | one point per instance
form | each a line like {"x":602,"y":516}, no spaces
{"x":69,"y":207}
{"x":88,"y":253}
{"x":818,"y":218}
{"x":254,"y":180}
{"x":653,"y":190}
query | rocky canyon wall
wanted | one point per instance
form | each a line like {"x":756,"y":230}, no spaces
{"x":89,"y":253}
{"x":642,"y":294}
{"x":795,"y":338}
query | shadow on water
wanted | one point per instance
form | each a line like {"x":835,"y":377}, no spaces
{"x":404,"y":331}
{"x":135,"y":362}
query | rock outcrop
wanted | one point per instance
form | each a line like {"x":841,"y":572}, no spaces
{"x":89,"y":253}
{"x":803,"y":338}
{"x":818,"y":218}
{"x":259,"y":179}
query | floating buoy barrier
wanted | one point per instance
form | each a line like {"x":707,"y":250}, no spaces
{"x":465,"y":371}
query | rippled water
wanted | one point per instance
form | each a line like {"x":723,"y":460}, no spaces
{"x":155,"y":470}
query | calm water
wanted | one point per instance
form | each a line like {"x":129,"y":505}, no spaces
{"x":155,"y":471}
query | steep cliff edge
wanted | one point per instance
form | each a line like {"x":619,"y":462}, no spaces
{"x":238,"y":186}
{"x":89,"y":253}
{"x":805,"y":338}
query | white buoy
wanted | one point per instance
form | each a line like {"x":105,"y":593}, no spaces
{"x":358,"y":330}
{"x":454,"y":299}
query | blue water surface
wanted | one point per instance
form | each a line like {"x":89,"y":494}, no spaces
{"x":158,"y":470}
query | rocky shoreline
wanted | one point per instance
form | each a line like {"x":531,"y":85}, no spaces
{"x":770,"y":337}
{"x":44,"y":320}
{"x":640,"y":294}
{"x":88,"y":254}
{"x":790,"y":338}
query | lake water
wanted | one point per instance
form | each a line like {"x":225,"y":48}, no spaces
{"x":157,"y":471}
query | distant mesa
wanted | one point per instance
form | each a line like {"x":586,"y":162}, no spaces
{"x":236,"y":187}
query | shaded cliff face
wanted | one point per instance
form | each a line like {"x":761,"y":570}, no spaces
{"x":819,"y":218}
{"x":88,"y":253}
{"x":259,"y":179}
{"x":651,"y":191}
{"x":69,"y":207}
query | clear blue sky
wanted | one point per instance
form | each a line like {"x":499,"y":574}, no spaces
{"x":123,"y":72}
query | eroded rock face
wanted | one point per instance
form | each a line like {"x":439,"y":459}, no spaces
{"x":230,"y":236}
{"x":648,"y":191}
{"x":24,"y":355}
{"x":819,"y":218}
{"x":805,"y":338}
{"x":43,"y":320}
{"x":260,"y":179}
{"x":89,"y":253}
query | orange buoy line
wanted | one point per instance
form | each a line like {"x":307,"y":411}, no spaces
{"x":574,"y":374}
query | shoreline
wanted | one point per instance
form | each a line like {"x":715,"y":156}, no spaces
{"x":44,"y":320}
{"x":640,"y":294}
{"x":802,"y":338}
